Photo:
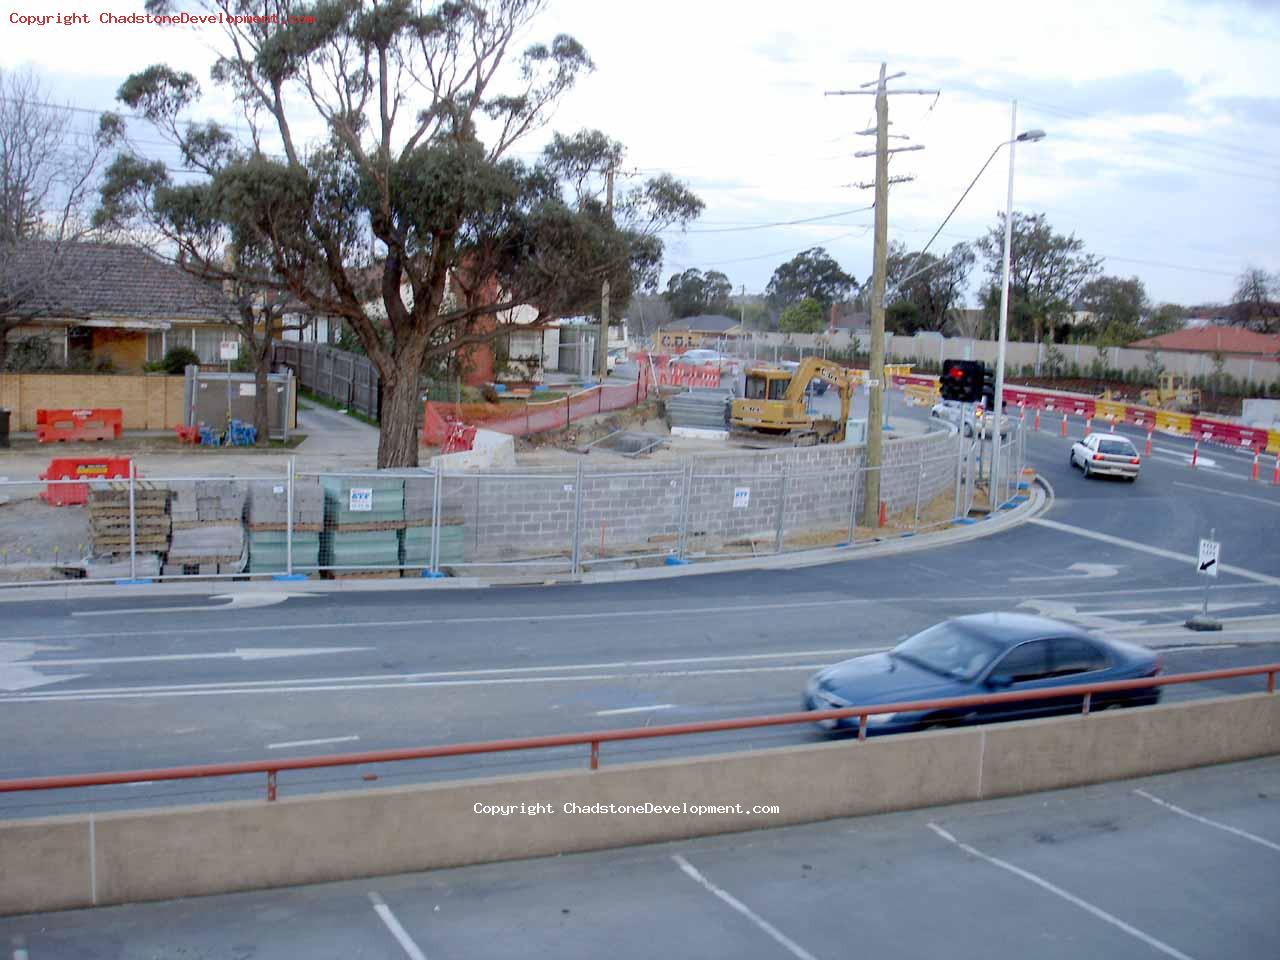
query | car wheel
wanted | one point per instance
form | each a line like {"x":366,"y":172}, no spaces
{"x":1071,"y":459}
{"x":1085,"y":468}
{"x":968,"y":431}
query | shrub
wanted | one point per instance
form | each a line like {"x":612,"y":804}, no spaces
{"x":177,"y":359}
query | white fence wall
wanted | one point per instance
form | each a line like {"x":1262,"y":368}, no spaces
{"x":931,"y":347}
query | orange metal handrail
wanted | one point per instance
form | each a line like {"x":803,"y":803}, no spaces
{"x":272,"y":767}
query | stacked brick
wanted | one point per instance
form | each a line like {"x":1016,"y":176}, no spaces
{"x":208,"y":528}
{"x":363,"y":524}
{"x":267,"y":523}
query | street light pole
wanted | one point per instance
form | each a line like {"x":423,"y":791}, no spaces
{"x":995,"y":414}
{"x":998,"y":400}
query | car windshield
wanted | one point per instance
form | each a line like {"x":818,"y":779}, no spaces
{"x":1118,"y":448}
{"x":948,"y":649}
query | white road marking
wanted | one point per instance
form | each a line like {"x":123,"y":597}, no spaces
{"x":240,"y":653}
{"x":782,"y":939}
{"x":402,"y":936}
{"x":622,"y":710}
{"x":1154,"y":551}
{"x":310,"y":743}
{"x":1211,"y":823}
{"x":126,"y":693}
{"x":1059,"y":892}
{"x":506,"y":671}
{"x":1084,"y":571}
{"x":237,"y":601}
{"x":669,"y":614}
{"x":1221,"y":493}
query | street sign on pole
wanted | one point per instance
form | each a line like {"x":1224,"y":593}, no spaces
{"x":1206,"y":564}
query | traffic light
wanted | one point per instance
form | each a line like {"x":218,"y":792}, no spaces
{"x":962,"y":380}
{"x":989,"y":391}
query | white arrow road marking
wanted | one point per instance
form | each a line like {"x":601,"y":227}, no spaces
{"x":1060,"y":610}
{"x":240,"y":653}
{"x":16,"y":676}
{"x":311,"y":743}
{"x":238,"y":601}
{"x":1105,"y":619}
{"x":1084,"y":571}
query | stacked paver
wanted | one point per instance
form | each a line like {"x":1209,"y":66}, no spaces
{"x":267,"y":523}
{"x":363,"y":523}
{"x":703,"y":409}
{"x":109,"y":540}
{"x":208,"y":528}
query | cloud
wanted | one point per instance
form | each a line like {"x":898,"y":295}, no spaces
{"x":1264,"y":111}
{"x":1131,"y":94}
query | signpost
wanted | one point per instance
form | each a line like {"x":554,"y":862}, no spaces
{"x":1207,"y":567}
{"x":228,"y":350}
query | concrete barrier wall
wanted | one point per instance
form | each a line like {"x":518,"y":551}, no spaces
{"x":186,"y":851}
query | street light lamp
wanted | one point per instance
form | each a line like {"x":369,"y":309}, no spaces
{"x":997,"y":411}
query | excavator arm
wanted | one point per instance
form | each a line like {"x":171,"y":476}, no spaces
{"x":837,"y":376}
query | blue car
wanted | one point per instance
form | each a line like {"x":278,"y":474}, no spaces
{"x":985,"y":653}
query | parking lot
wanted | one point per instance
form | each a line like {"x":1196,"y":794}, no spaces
{"x":1183,"y":865}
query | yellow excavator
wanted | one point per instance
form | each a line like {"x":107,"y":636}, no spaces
{"x":773,"y":402}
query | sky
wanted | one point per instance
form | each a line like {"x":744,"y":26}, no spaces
{"x":1162,"y":147}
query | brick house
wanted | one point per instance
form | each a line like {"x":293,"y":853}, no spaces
{"x":116,"y":305}
{"x":704,"y":330}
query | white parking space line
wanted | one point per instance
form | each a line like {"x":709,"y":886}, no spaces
{"x":310,"y":743}
{"x":1221,"y":493}
{"x":397,"y":931}
{"x":1210,"y":823}
{"x":622,"y":710}
{"x":783,"y":940}
{"x":1187,"y":558}
{"x":1059,"y":892}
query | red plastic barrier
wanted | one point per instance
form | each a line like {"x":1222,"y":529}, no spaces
{"x":58,"y":426}
{"x":459,"y":439}
{"x":77,"y":468}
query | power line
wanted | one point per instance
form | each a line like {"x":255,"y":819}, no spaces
{"x":785,"y":223}
{"x":776,"y":253}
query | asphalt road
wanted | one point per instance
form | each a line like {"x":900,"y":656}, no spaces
{"x":142,"y":681}
{"x":1179,"y":866}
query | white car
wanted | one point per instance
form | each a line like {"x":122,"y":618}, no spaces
{"x":1107,"y":453}
{"x":702,"y":357}
{"x":975,"y":416}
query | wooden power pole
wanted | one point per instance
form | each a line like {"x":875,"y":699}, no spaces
{"x":876,"y":380}
{"x":602,"y":347}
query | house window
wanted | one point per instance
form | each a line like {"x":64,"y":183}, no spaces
{"x":205,"y":342}
{"x":155,"y":346}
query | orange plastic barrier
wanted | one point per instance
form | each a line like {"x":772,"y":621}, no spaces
{"x":58,"y":426}
{"x":78,"y":468}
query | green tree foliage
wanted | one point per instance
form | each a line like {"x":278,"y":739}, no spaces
{"x":410,"y":220}
{"x":1119,"y":307}
{"x":802,"y":317}
{"x":922,"y":290}
{"x":693,"y":292}
{"x":1165,"y":318}
{"x":812,"y":274}
{"x":1046,"y":273}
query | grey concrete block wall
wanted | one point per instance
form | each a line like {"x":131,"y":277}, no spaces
{"x":532,"y":512}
